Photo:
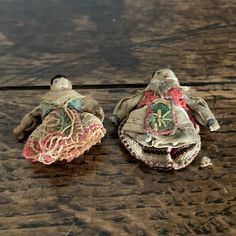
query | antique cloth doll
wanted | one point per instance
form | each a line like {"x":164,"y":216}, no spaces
{"x":64,"y":125}
{"x":160,"y":125}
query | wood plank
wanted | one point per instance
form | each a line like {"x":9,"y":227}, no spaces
{"x":106,"y":42}
{"x":106,"y":192}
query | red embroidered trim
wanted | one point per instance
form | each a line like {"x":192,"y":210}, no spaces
{"x":177,"y":95}
{"x":174,"y":94}
{"x":148,"y":98}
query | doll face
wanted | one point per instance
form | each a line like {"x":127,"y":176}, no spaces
{"x":61,"y":83}
{"x":163,"y":75}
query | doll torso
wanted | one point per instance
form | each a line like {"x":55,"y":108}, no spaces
{"x":65,"y":98}
{"x":161,"y":121}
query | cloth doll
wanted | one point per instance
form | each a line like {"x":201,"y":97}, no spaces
{"x":160,"y":125}
{"x":63,"y":126}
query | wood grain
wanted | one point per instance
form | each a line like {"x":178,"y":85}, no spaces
{"x":108,"y":193}
{"x":109,"y":49}
{"x":112,"y":42}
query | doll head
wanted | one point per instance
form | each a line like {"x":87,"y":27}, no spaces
{"x":60,"y":82}
{"x":162,"y":80}
{"x":164,"y":75}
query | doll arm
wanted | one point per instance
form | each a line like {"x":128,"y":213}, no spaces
{"x":124,"y":107}
{"x":202,"y":112}
{"x":92,"y":106}
{"x":29,"y":122}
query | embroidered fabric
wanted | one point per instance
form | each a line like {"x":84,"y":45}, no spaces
{"x":64,"y":135}
{"x":160,"y":124}
{"x":70,"y":125}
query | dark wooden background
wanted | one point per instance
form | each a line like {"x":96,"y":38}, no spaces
{"x":109,"y":49}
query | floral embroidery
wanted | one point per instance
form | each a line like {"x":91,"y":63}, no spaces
{"x":160,"y":118}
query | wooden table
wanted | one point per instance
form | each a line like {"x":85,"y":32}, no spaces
{"x":109,"y":49}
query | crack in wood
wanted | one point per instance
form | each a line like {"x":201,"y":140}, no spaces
{"x":110,"y":86}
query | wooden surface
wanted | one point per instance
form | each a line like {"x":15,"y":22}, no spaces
{"x":112,"y":47}
{"x":120,"y":41}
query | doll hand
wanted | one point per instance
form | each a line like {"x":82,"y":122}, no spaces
{"x":115,"y":120}
{"x":213,"y":125}
{"x":27,"y":125}
{"x":100,"y":114}
{"x":19,"y":133}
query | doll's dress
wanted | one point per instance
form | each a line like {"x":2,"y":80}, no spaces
{"x":66,"y":131}
{"x":160,"y":130}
